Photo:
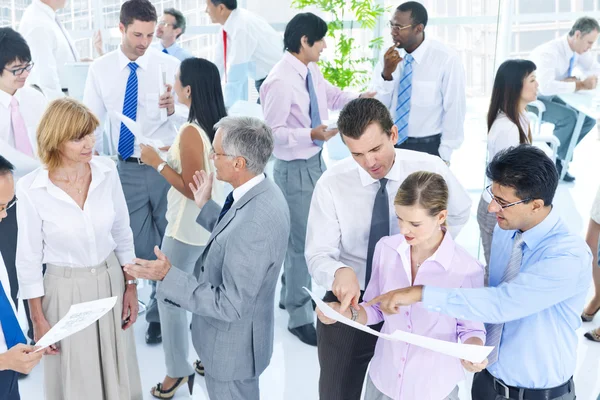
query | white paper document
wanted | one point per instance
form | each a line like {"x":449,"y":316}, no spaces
{"x":136,"y":129}
{"x":79,"y":317}
{"x":467,"y":352}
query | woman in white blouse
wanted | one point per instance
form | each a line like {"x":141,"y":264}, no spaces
{"x":198,"y":87}
{"x":593,"y":233}
{"x":515,"y":86}
{"x":73,"y":218}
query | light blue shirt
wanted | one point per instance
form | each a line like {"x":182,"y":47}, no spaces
{"x":540,"y":308}
{"x":175,"y":50}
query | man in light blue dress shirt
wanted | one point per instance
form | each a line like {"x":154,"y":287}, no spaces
{"x":170,"y":27}
{"x":538,"y":307}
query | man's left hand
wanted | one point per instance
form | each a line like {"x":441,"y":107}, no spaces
{"x":391,"y":302}
{"x":155,"y":270}
{"x":167,"y":101}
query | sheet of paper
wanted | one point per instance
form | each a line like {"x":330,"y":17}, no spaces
{"x":136,"y":129}
{"x":79,"y":317}
{"x":467,"y":352}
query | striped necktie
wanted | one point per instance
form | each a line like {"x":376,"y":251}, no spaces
{"x":494,"y":331}
{"x":10,"y":325}
{"x":126,"y":138}
{"x":226,"y":206}
{"x":315,"y":116}
{"x":404,"y":92}
{"x":571,"y":65}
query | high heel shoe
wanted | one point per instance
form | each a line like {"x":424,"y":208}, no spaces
{"x":199,"y":367}
{"x":589,"y":317}
{"x":593,"y":335}
{"x":160,"y":393}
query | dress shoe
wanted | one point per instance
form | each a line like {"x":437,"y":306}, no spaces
{"x":281,"y":305}
{"x":153,"y":334}
{"x":568,"y":177}
{"x":306,"y":333}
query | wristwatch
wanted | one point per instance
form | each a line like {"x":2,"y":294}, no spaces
{"x":131,"y":282}
{"x":161,"y":166}
{"x":354,"y":313}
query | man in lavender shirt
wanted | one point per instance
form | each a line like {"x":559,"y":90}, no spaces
{"x":295,"y":99}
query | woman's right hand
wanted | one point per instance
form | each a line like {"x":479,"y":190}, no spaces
{"x":40,"y":328}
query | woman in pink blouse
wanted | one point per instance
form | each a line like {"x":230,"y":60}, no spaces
{"x":424,"y":253}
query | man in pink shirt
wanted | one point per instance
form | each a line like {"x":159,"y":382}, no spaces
{"x":295,"y":99}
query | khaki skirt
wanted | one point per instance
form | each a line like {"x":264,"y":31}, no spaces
{"x":99,"y":362}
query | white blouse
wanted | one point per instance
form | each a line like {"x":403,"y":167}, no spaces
{"x":54,"y":229}
{"x":595,"y":214}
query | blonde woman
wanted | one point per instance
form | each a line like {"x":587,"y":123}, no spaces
{"x":73,"y":218}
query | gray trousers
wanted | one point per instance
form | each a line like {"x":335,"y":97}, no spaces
{"x":372,"y":393}
{"x":174,"y":322}
{"x":483,"y":389}
{"x":146,"y":195}
{"x":297,"y":180}
{"x":246,"y":389}
{"x":487,"y":222}
{"x":564,"y":119}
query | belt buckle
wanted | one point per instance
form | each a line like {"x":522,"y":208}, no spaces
{"x":139,"y":161}
{"x":506,"y":389}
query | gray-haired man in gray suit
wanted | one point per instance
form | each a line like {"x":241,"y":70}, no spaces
{"x":232,"y":290}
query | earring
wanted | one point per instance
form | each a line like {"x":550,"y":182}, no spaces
{"x":188,"y":96}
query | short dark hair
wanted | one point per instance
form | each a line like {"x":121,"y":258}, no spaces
{"x":418,"y":12}
{"x":229,"y":4}
{"x":528,"y":170}
{"x":303,"y":24}
{"x":12,"y":48}
{"x":585,"y":25}
{"x":5,"y":166}
{"x":141,"y":10}
{"x":207,"y":106}
{"x":179,"y":19}
{"x":358,"y":114}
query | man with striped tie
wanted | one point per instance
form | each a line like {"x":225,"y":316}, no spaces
{"x":422,"y":82}
{"x":556,"y":63}
{"x":15,"y":356}
{"x":539,"y":280}
{"x":135,"y":81}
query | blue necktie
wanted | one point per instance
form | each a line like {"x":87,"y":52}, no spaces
{"x":226,"y":206}
{"x":126,"y":138}
{"x":10,"y":326}
{"x":403,"y":107}
{"x":165,"y":51}
{"x":315,"y":117}
{"x":571,"y":65}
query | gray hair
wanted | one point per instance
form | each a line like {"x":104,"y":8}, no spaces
{"x":249,"y":138}
{"x":585,"y":25}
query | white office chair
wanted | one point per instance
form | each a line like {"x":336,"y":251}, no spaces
{"x":542,"y":132}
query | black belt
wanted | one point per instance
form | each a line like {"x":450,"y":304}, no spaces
{"x":425,"y":139}
{"x":512,"y":392}
{"x":132,"y":160}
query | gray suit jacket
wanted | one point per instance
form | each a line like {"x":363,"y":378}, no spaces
{"x":232,"y":290}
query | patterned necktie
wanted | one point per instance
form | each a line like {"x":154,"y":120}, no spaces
{"x":315,"y":117}
{"x":165,"y":51}
{"x":22,"y":142}
{"x":380,"y":225}
{"x":126,"y":138}
{"x":226,"y":206}
{"x":494,"y":331}
{"x":10,"y":326}
{"x":571,"y":65}
{"x":71,"y":46}
{"x":404,"y":92}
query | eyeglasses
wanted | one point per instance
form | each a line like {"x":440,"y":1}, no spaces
{"x":502,"y":203}
{"x":165,"y":23}
{"x":213,"y":154}
{"x":396,"y":27}
{"x":20,"y":71}
{"x":9,"y":205}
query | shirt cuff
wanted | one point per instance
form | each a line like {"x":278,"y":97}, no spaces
{"x":125,"y":257}
{"x":434,"y":298}
{"x":31,"y":291}
{"x":468,"y":335}
{"x":373,"y":317}
{"x":324,"y":274}
{"x":445,"y":152}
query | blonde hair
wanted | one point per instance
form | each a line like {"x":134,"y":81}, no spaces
{"x":425,"y":189}
{"x":64,"y":120}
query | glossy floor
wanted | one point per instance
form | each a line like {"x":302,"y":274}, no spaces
{"x":293,"y":372}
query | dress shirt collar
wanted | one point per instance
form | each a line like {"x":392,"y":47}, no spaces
{"x":420,"y":51}
{"x":443,"y":255}
{"x":240,"y":191}
{"x":566,"y":48}
{"x":46,"y":9}
{"x":535,"y":235}
{"x":230,"y":25}
{"x":99,"y":172}
{"x":142,"y":61}
{"x":296,"y":64}
{"x":392,"y":175}
{"x":172,"y":47}
{"x":6,"y":98}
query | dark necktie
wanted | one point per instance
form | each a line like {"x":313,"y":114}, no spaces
{"x":10,"y":326}
{"x":165,"y":51}
{"x":380,"y":224}
{"x":226,"y":206}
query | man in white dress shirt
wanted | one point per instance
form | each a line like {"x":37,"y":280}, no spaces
{"x":248,"y":47}
{"x":14,"y":358}
{"x":170,"y":28}
{"x":348,"y":201}
{"x":423,"y":86}
{"x":129,"y":82}
{"x":21,"y":108}
{"x":556,"y":61}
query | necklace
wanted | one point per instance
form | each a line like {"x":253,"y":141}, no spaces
{"x":71,"y":185}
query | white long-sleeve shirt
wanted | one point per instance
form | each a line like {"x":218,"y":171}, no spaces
{"x":51,"y":48}
{"x":552,"y":61}
{"x":340,"y":214}
{"x":54,"y":229}
{"x":438,"y":100}
{"x":105,"y":92}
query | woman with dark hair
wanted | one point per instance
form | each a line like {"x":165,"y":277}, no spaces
{"x":198,"y":86}
{"x":515,"y":86}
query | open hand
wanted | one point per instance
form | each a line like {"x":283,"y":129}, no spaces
{"x":154,"y":270}
{"x":202,"y":187}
